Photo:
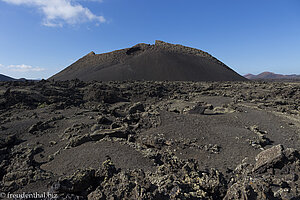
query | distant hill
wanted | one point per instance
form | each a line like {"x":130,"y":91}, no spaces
{"x":161,"y":61}
{"x":272,"y":76}
{"x":7,"y":78}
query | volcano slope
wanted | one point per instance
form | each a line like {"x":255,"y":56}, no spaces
{"x":159,"y":62}
{"x":150,"y":140}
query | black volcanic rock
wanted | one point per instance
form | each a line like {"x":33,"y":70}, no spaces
{"x":161,"y":61}
{"x":150,"y":139}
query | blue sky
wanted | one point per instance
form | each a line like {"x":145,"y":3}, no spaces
{"x":38,"y":38}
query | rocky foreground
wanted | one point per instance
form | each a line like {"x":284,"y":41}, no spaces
{"x":150,"y":140}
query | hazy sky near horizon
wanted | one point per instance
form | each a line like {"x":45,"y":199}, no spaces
{"x":38,"y":38}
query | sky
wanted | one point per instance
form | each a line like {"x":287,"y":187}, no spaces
{"x":39,"y":38}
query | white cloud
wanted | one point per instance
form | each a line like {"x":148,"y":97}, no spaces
{"x":23,"y":68}
{"x":58,"y":12}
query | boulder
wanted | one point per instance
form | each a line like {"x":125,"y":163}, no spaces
{"x":269,"y":158}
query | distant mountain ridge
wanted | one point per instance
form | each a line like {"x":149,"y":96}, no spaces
{"x":272,"y":76}
{"x":7,"y":78}
{"x":161,"y":61}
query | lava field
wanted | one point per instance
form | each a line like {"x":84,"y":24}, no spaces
{"x":150,"y":139}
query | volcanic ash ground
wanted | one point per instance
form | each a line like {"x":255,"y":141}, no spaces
{"x":150,"y":140}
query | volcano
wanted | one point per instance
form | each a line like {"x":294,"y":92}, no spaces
{"x":158,"y":62}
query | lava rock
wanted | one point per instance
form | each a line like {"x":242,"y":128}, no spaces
{"x":268,"y":158}
{"x":136,"y":107}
